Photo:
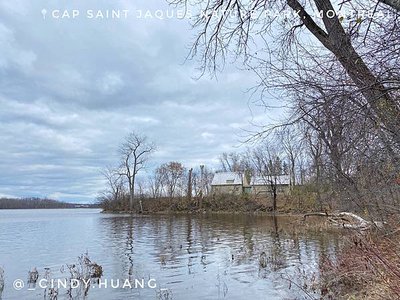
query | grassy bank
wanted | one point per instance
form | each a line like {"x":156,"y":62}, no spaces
{"x":296,"y":203}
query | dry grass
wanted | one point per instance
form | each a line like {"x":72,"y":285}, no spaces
{"x":368,"y":267}
{"x":218,"y":203}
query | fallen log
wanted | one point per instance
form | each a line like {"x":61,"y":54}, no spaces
{"x":346,"y":220}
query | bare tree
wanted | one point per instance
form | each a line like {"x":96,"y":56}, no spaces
{"x":202,"y":178}
{"x":267,"y":166}
{"x":135,"y":152}
{"x":208,"y":176}
{"x":291,"y":143}
{"x":190,"y":185}
{"x":230,"y":162}
{"x":171,"y":175}
{"x":155,"y":185}
{"x":115,"y":186}
{"x":315,"y":151}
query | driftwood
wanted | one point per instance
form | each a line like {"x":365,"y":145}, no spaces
{"x":346,"y":220}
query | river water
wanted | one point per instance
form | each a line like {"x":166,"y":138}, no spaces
{"x":160,"y":256}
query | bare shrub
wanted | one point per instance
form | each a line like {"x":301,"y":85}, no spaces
{"x":367,"y":267}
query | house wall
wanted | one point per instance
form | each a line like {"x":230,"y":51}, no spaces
{"x":226,"y":189}
{"x":264,"y":189}
{"x":255,"y":189}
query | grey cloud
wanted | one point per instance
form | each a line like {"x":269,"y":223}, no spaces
{"x":71,"y":90}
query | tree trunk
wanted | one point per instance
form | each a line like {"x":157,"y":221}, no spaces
{"x":338,"y":42}
{"x":273,"y":192}
{"x":130,"y":199}
{"x":292,"y":171}
{"x":141,"y":206}
{"x":189,"y":189}
{"x":131,"y":193}
{"x":201,"y":200}
{"x":318,"y":185}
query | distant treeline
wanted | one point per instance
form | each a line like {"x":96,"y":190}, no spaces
{"x":29,"y":203}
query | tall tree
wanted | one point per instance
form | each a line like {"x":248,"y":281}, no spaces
{"x":135,"y":152}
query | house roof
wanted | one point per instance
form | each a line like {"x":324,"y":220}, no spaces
{"x":280,"y":179}
{"x":227,"y":178}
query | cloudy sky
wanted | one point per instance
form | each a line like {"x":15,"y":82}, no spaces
{"x":72,"y":88}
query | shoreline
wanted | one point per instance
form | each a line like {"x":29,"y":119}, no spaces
{"x":199,"y":213}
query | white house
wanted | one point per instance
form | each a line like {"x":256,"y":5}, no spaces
{"x":227,"y":183}
{"x":236,"y":183}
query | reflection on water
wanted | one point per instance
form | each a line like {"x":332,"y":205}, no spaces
{"x":190,"y":257}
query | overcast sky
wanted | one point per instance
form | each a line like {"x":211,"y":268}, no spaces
{"x":72,"y":88}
